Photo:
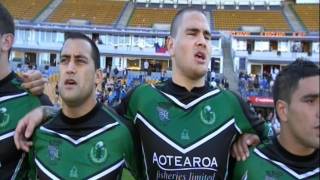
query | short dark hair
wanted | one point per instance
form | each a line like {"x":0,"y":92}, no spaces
{"x":177,"y":19}
{"x":6,"y":21}
{"x":95,"y":54}
{"x":287,"y":80}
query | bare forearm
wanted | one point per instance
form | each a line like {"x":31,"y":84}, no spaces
{"x":49,"y":112}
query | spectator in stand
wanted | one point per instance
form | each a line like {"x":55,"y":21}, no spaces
{"x":213,"y":75}
{"x":146,"y":66}
{"x":116,"y":71}
{"x":256,"y":82}
{"x":158,"y":66}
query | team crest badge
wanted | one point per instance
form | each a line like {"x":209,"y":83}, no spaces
{"x":163,"y":114}
{"x":74,"y":172}
{"x":208,"y":116}
{"x":4,"y":117}
{"x":98,"y":153}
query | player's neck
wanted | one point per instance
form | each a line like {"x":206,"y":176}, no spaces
{"x":296,"y":148}
{"x":188,"y":83}
{"x":79,"y":110}
{"x":4,"y":68}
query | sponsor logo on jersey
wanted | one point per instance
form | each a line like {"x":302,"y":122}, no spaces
{"x":176,"y":175}
{"x":73,"y":172}
{"x":185,"y":134}
{"x":98,"y":153}
{"x":53,"y":151}
{"x":207,"y":115}
{"x":163,"y":114}
{"x":185,"y":167}
{"x":4,"y":117}
{"x":172,"y":162}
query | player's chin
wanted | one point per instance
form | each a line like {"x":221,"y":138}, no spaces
{"x":315,"y":142}
{"x":200,"y":73}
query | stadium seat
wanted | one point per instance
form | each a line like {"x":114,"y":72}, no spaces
{"x":25,"y":9}
{"x":309,"y":15}
{"x":146,"y":17}
{"x":234,"y":19}
{"x":96,"y":11}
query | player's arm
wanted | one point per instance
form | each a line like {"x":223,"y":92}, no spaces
{"x":32,"y":170}
{"x":252,"y":128}
{"x":123,"y":109}
{"x":28,"y":124}
{"x":45,"y":100}
{"x":133,"y":158}
{"x":132,"y":150}
{"x":245,"y":169}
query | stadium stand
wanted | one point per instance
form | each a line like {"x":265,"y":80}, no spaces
{"x":234,"y":19}
{"x":96,"y":11}
{"x":146,"y":17}
{"x":308,"y":14}
{"x":25,"y":10}
{"x":145,"y":26}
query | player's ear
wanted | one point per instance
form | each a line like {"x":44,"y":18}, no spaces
{"x":282,"y":110}
{"x":99,"y":76}
{"x":7,"y":41}
{"x":170,"y":45}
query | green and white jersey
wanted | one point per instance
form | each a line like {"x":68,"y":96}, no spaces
{"x":272,"y":161}
{"x":95,"y":146}
{"x":15,"y":102}
{"x":187,"y":135}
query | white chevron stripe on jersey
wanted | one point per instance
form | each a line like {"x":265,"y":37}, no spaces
{"x":7,"y":135}
{"x":48,"y":173}
{"x":12,"y":96}
{"x":78,"y":141}
{"x":177,"y":147}
{"x":192,"y":103}
{"x":100,"y":175}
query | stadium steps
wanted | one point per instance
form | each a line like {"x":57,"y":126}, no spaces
{"x":228,"y":64}
{"x":292,"y":19}
{"x":48,"y":11}
{"x":125,"y":15}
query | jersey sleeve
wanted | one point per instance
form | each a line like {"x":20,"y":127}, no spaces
{"x":44,"y":99}
{"x":246,"y":169}
{"x":32,"y":174}
{"x":247,"y":121}
{"x":132,"y":155}
{"x":132,"y":150}
{"x":127,"y":108}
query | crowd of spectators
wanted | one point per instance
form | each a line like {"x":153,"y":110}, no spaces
{"x":117,"y":83}
{"x":256,"y":84}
